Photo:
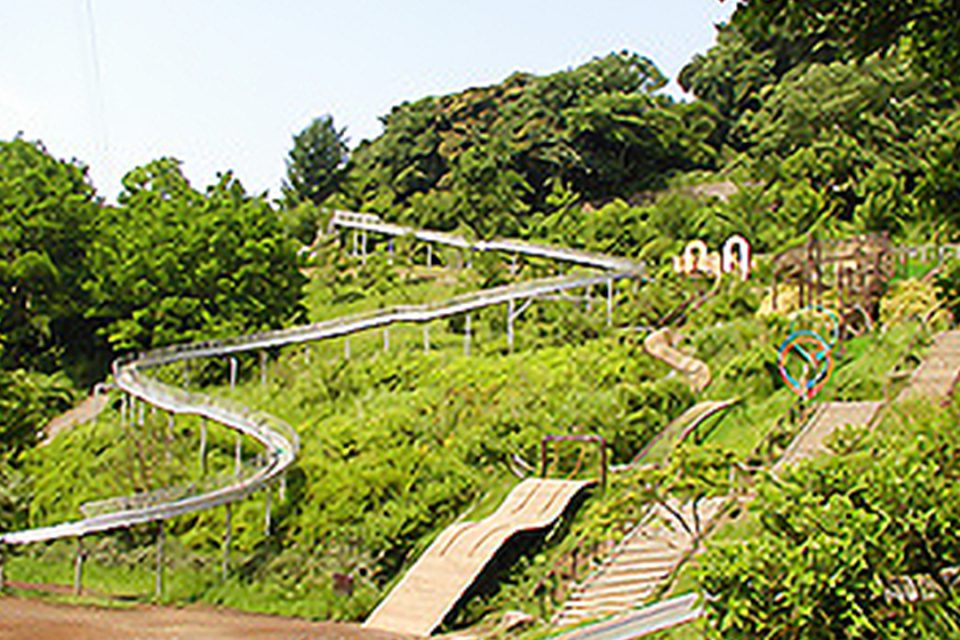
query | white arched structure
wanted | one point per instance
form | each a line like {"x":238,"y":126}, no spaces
{"x":737,"y":255}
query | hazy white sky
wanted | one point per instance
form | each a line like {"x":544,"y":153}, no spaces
{"x":224,"y":84}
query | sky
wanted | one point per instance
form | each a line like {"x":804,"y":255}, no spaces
{"x":225,"y":84}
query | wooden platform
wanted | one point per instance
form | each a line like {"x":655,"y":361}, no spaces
{"x":438,"y":580}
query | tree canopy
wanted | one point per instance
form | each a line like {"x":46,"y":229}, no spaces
{"x":316,"y":162}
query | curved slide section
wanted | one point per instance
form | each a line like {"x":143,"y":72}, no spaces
{"x":441,"y":576}
{"x":279,"y":439}
{"x":661,"y":345}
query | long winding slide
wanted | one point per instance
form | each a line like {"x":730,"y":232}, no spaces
{"x":446,"y":570}
{"x":661,"y":345}
{"x":279,"y":440}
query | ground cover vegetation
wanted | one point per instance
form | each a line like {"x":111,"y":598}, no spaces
{"x":811,"y":118}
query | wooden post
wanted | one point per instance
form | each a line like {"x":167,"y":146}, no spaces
{"x":3,"y":579}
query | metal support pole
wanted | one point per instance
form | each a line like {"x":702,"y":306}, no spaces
{"x":3,"y":557}
{"x":346,"y":348}
{"x":78,"y":568}
{"x":169,"y":440}
{"x":510,"y":306}
{"x":266,"y":514}
{"x":158,"y":585}
{"x":429,"y":255}
{"x":233,"y":373}
{"x":139,"y":414}
{"x":227,"y":534}
{"x":466,"y":336}
{"x":354,"y":250}
{"x":610,"y":303}
{"x":426,"y":338}
{"x":306,"y":355}
{"x":263,"y":367}
{"x":586,"y":298}
{"x":386,"y":339}
{"x":363,"y":250}
{"x":203,"y":447}
{"x":238,"y":456}
{"x":283,"y":487}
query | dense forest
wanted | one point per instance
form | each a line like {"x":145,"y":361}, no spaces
{"x":803,"y":120}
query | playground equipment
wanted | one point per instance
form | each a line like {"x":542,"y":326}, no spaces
{"x":855,"y":269}
{"x":812,"y":351}
{"x":736,"y":256}
{"x":279,"y":441}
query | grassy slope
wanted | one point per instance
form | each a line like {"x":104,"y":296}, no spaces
{"x":395,"y":446}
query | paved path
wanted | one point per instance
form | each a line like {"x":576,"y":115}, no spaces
{"x":88,"y":409}
{"x":827,"y":418}
{"x":440,"y":577}
{"x":937,"y":373}
{"x":23,"y":619}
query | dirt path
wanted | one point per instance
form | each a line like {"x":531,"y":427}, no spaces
{"x":22,"y":619}
{"x":88,"y":409}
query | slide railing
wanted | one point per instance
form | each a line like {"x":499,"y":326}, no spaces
{"x":280,"y":442}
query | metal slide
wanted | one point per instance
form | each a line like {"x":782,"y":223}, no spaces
{"x":279,"y":440}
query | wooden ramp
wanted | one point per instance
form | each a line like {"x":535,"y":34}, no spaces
{"x":440,"y":577}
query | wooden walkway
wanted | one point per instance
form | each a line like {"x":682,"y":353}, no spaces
{"x":441,"y":576}
{"x":937,"y":373}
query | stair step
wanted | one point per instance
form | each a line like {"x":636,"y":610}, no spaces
{"x":624,"y":579}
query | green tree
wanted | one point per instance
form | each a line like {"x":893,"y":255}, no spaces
{"x":836,"y":537}
{"x":315,"y":164}
{"x":928,"y":28}
{"x":47,"y":214}
{"x":172,"y":264}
